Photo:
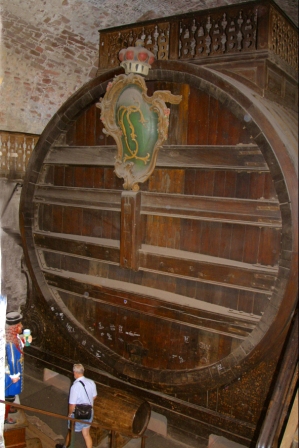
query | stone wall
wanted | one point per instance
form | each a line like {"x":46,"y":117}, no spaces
{"x":13,"y":281}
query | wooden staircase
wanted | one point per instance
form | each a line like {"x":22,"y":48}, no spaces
{"x":16,"y":435}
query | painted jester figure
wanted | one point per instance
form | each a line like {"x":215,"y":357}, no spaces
{"x":14,"y":367}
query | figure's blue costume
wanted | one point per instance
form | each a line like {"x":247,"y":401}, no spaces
{"x":15,"y":367}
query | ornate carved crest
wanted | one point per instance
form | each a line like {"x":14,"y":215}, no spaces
{"x":139,"y":125}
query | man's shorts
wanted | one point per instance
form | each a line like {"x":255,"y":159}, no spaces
{"x":78,"y":425}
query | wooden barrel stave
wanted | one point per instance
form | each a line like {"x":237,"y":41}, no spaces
{"x":121,"y":412}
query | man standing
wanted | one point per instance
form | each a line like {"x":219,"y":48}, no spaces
{"x":80,"y":395}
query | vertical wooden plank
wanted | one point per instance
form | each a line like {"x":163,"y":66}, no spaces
{"x":105,"y":223}
{"x":100,"y":136}
{"x":230,"y":184}
{"x":78,"y":176}
{"x":199,"y":183}
{"x":88,"y":176}
{"x":235,"y":129}
{"x":245,"y":301}
{"x":110,"y":179}
{"x":69,"y":176}
{"x":224,"y":347}
{"x":185,"y":288}
{"x":59,"y":175}
{"x":150,"y":232}
{"x":46,"y":223}
{"x":244,"y":137}
{"x":115,"y":225}
{"x":70,"y":137}
{"x":228,"y":298}
{"x":257,"y":183}
{"x":90,"y":223}
{"x":190,"y":235}
{"x":260,"y":303}
{"x":90,"y":127}
{"x":173,"y":230}
{"x":167,"y":181}
{"x":53,"y":260}
{"x":212,"y":112}
{"x":219,"y":183}
{"x":237,"y":242}
{"x":57,"y":219}
{"x":209,"y":180}
{"x":204,"y":182}
{"x":198,"y":125}
{"x":177,"y":181}
{"x":214,"y":238}
{"x":80,"y":130}
{"x":270,"y":246}
{"x":98,"y":224}
{"x":99,"y":177}
{"x":225,"y":242}
{"x":243,"y":185}
{"x":165,"y":282}
{"x":72,"y":220}
{"x":224,"y":118}
{"x":178,"y":119}
{"x":165,"y":238}
{"x":269,"y":190}
{"x":251,"y":244}
{"x":170,"y":353}
{"x":190,"y":176}
{"x":49,"y":176}
{"x":205,"y":237}
{"x":130,"y":238}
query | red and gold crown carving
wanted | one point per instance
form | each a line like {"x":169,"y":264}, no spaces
{"x":136,"y":59}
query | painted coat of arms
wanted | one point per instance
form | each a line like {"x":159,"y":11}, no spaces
{"x":138,"y":123}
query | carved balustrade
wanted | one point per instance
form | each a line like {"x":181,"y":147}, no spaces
{"x":210,"y":36}
{"x":15,"y":151}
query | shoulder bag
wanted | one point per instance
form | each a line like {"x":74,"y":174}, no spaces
{"x":83,"y":411}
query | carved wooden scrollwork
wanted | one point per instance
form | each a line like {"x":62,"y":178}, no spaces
{"x":139,"y":125}
{"x":155,"y":38}
{"x":209,"y":36}
{"x":284,"y":39}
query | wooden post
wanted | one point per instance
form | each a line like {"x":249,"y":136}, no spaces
{"x":130,"y":240}
{"x":72,"y":441}
{"x":113,"y":440}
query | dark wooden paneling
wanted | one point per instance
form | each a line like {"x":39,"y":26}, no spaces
{"x":187,"y":344}
{"x":199,"y":207}
{"x":230,"y":157}
{"x":208,"y":228}
{"x":130,"y":230}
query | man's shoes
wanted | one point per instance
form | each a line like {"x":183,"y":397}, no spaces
{"x":9,"y":421}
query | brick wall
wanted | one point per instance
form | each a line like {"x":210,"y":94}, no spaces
{"x":42,"y":65}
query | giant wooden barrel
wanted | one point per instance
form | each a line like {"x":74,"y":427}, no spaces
{"x":121,"y":412}
{"x":208,"y":286}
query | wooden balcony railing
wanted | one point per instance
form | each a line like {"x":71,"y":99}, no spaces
{"x":15,"y":151}
{"x":210,"y":36}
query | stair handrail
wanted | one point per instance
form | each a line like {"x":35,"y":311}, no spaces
{"x":113,"y":442}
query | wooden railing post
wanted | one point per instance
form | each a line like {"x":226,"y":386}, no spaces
{"x":72,"y":436}
{"x":112,"y":440}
